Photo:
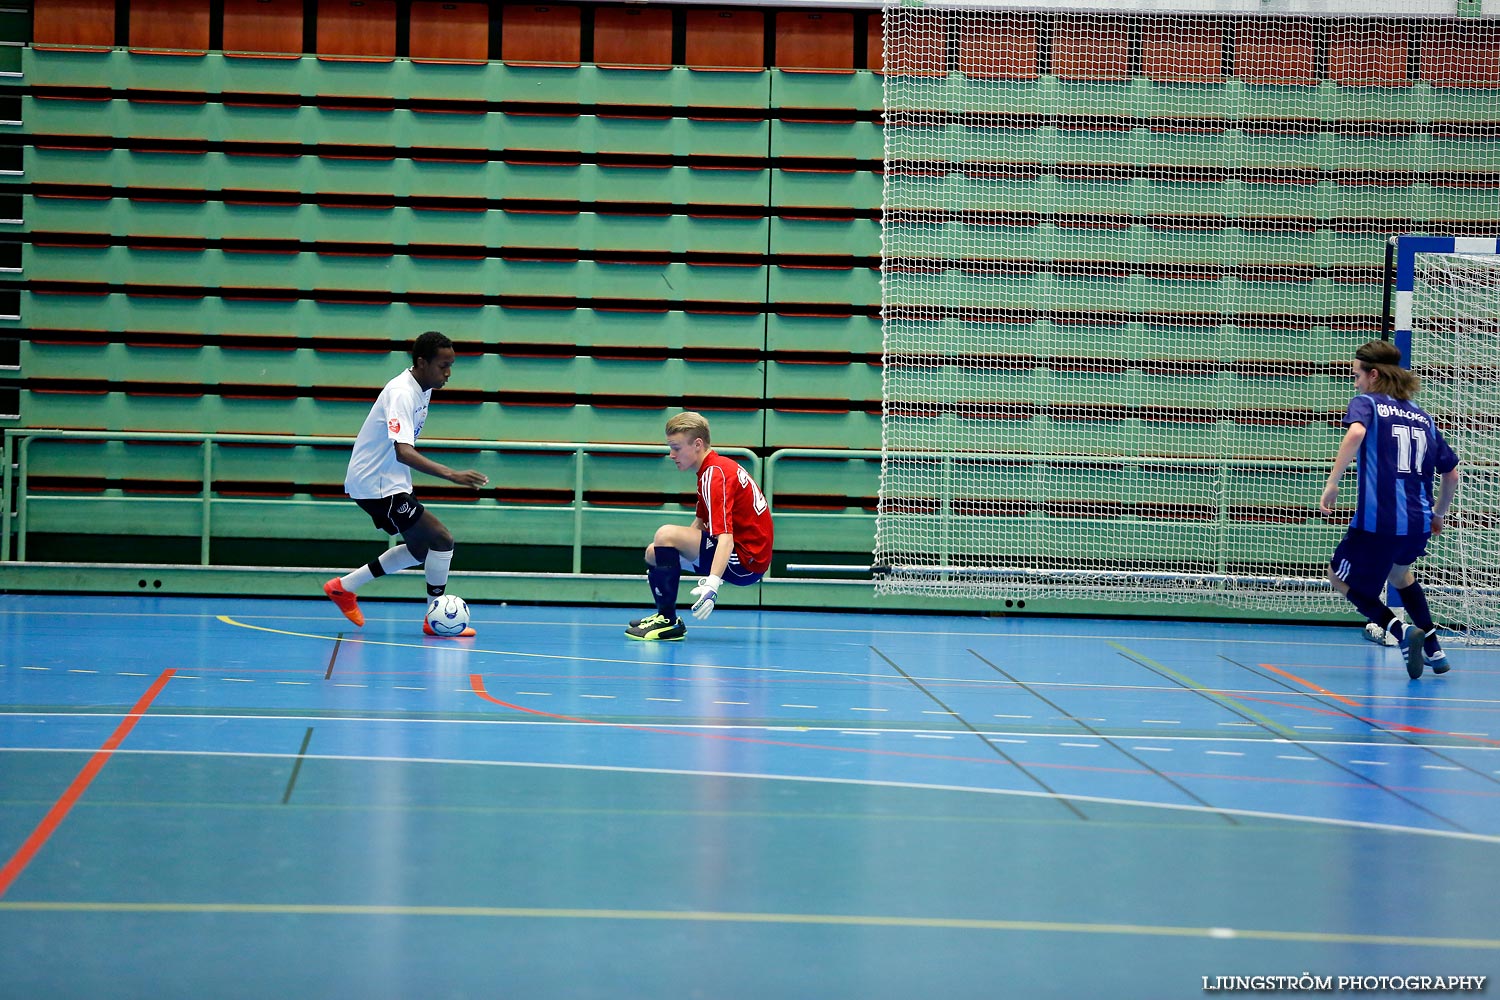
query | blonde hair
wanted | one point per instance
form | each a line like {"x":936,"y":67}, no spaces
{"x":694,"y":425}
{"x":1384,"y":359}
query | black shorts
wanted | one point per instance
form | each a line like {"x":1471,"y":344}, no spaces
{"x":394,"y":514}
{"x":1364,"y":560}
{"x":733,"y":573}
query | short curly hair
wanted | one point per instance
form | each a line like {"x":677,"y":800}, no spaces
{"x":425,"y":347}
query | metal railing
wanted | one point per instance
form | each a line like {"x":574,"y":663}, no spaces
{"x":18,"y":444}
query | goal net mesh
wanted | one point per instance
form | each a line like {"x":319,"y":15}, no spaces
{"x":1127,"y":258}
{"x":1456,"y":353}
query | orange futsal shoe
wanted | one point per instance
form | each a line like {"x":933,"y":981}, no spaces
{"x":347,"y":604}
{"x":467,"y":633}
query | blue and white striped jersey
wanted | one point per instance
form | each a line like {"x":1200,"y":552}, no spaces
{"x":1401,"y":453}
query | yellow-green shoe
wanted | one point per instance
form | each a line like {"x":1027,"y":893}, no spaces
{"x":657,"y":628}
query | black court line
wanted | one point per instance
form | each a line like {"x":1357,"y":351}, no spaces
{"x":1110,"y":740}
{"x":337,"y":642}
{"x":1337,"y":709}
{"x":291,"y":783}
{"x":1286,"y":740}
{"x":965,"y":723}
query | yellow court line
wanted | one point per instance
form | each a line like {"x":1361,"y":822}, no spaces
{"x":549,"y":656}
{"x":1218,"y":696}
{"x":714,"y":916}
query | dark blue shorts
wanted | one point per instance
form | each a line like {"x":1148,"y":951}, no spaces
{"x":1363,"y":560}
{"x":394,"y":514}
{"x":733,"y":573}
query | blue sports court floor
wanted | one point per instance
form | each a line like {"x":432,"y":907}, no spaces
{"x":221,"y":798}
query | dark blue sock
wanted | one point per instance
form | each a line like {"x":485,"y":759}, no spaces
{"x":665,"y":577}
{"x":1415,"y":599}
{"x":1375,"y":610}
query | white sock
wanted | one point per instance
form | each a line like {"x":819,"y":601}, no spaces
{"x":392,"y":560}
{"x":396,"y":559}
{"x":437,"y":570}
{"x":353,"y":581}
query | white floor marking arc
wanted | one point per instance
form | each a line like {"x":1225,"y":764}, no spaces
{"x":813,"y":779}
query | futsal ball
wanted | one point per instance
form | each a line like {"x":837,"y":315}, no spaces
{"x":448,"y":615}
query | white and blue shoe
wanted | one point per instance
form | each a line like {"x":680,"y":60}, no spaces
{"x":1411,"y":647}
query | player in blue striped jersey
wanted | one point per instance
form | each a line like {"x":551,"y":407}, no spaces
{"x":1400,"y":452}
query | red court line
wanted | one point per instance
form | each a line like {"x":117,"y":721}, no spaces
{"x":1399,"y":727}
{"x":1307,"y":683}
{"x":59,"y":811}
{"x":476,"y":683}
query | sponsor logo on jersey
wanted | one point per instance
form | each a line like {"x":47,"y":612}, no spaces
{"x":1387,"y":410}
{"x":394,"y":425}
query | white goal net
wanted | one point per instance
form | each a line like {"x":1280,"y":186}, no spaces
{"x":1127,"y":258}
{"x":1456,"y":353}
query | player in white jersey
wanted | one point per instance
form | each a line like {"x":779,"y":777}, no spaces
{"x":379,"y":479}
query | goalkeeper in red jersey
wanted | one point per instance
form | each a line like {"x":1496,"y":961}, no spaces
{"x":729,"y":540}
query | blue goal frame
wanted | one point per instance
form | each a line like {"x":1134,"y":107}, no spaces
{"x":1402,"y":264}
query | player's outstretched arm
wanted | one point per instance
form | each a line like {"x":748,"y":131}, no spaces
{"x":409,"y":456}
{"x":1447,"y":487}
{"x":706,"y":594}
{"x":1348,"y":448}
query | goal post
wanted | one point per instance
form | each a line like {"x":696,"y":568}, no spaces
{"x":1447,"y":322}
{"x":1127,"y":257}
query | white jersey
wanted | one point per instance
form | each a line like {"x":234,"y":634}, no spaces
{"x":397,"y":416}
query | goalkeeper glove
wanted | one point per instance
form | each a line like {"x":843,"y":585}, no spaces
{"x":707,"y":594}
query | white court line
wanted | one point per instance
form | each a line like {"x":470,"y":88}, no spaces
{"x":996,"y":634}
{"x":812,"y":779}
{"x":725,"y":726}
{"x":997,"y":682}
{"x":937,"y":681}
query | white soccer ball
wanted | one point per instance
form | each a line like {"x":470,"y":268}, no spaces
{"x":448,"y":615}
